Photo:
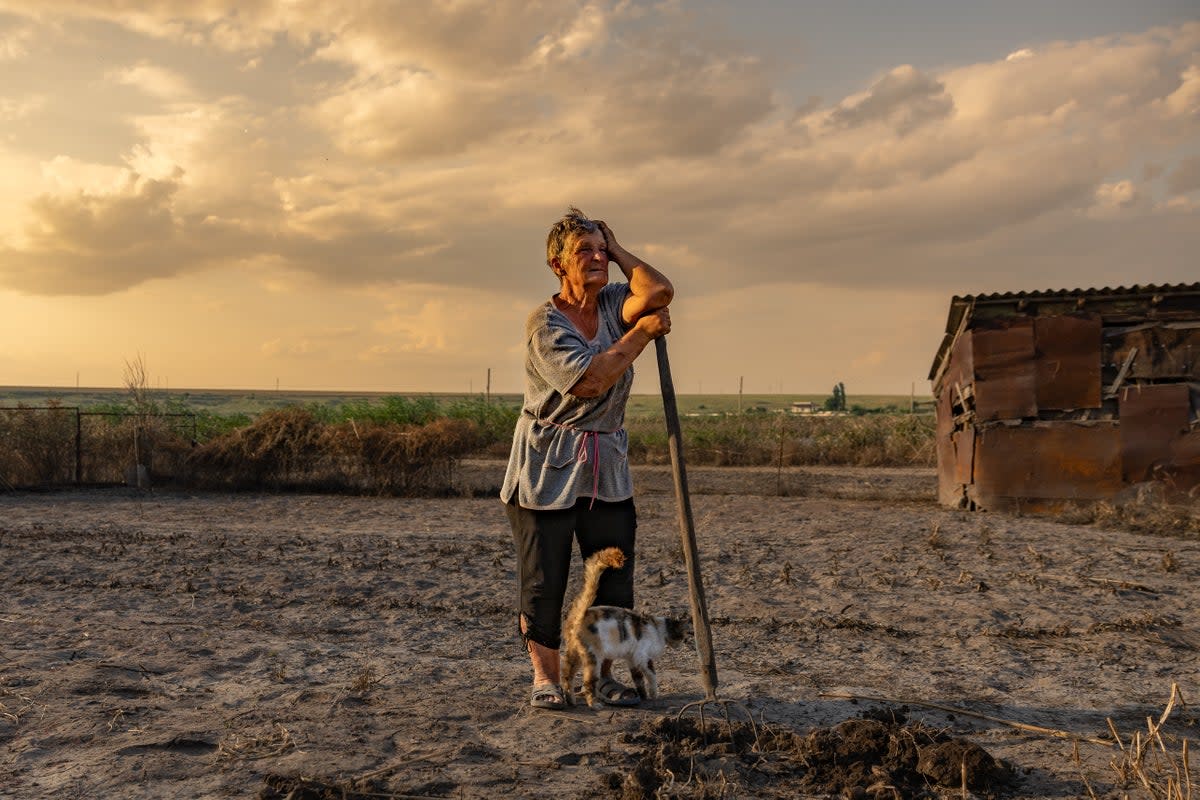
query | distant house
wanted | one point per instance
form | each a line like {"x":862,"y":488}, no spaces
{"x":1071,"y":395}
{"x":803,"y":407}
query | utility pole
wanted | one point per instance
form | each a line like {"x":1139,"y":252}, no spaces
{"x":488,"y":395}
{"x":741,"y":380}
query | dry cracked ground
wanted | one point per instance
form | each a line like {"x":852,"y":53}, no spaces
{"x":872,"y":644}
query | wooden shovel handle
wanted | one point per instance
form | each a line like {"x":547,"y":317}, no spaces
{"x":687,"y":527}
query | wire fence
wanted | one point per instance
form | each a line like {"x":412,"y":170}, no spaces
{"x":48,"y":446}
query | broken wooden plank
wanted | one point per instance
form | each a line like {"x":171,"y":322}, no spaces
{"x":1112,"y":390}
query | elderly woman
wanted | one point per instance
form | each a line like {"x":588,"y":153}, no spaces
{"x":568,"y":474}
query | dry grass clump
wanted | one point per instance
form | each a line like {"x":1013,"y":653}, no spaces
{"x":1156,"y":763}
{"x":285,"y":449}
{"x":1164,"y":518}
{"x":37,"y":446}
{"x":290,"y":449}
{"x":14,"y":706}
{"x":274,"y":452}
{"x":744,"y":440}
{"x":266,"y":743}
{"x":868,"y":441}
{"x":413,"y":459}
{"x":112,"y":444}
{"x":1157,"y":515}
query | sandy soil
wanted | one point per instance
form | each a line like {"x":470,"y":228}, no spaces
{"x":177,"y":645}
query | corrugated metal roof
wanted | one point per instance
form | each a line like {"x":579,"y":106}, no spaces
{"x":961,"y":307}
{"x":1147,"y":290}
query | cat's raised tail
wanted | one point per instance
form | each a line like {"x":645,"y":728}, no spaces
{"x":574,"y":652}
{"x":608,"y":558}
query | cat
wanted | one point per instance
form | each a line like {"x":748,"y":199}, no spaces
{"x":595,"y":634}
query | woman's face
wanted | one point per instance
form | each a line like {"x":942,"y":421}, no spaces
{"x":584,"y":263}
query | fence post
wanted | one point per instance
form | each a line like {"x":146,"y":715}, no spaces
{"x":78,"y":447}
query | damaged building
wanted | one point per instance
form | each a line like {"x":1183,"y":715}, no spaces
{"x":1051,"y":397}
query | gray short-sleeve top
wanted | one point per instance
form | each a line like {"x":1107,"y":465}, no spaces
{"x":566,"y":447}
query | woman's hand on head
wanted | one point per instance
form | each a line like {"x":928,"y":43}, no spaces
{"x":656,"y":323}
{"x":610,"y":240}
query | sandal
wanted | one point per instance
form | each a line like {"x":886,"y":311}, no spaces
{"x":612,"y":693}
{"x":548,"y":695}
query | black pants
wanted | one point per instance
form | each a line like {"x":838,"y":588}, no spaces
{"x":543,"y":540}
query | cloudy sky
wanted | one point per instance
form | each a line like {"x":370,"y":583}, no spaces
{"x":355,"y":196}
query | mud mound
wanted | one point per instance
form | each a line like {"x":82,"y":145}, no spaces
{"x":876,"y":756}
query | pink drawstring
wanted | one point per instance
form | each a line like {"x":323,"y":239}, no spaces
{"x":581,"y":453}
{"x":581,"y":456}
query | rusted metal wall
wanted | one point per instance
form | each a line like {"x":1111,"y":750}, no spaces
{"x":1068,"y":361}
{"x":1048,"y":461}
{"x":1065,"y":403}
{"x":1005,"y":371}
{"x":1152,"y":418}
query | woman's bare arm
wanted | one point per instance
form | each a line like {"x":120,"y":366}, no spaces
{"x":649,"y":289}
{"x":607,"y":367}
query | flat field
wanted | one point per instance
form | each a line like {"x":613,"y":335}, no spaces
{"x":183,"y":645}
{"x":234,"y":401}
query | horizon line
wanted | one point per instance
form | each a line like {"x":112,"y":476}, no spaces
{"x":305,"y":390}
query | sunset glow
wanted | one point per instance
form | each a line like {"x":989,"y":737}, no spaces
{"x":357,"y":197}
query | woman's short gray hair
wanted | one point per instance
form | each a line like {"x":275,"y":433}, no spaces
{"x":573,"y":224}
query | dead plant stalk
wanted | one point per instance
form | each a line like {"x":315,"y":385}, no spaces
{"x":1148,"y":760}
